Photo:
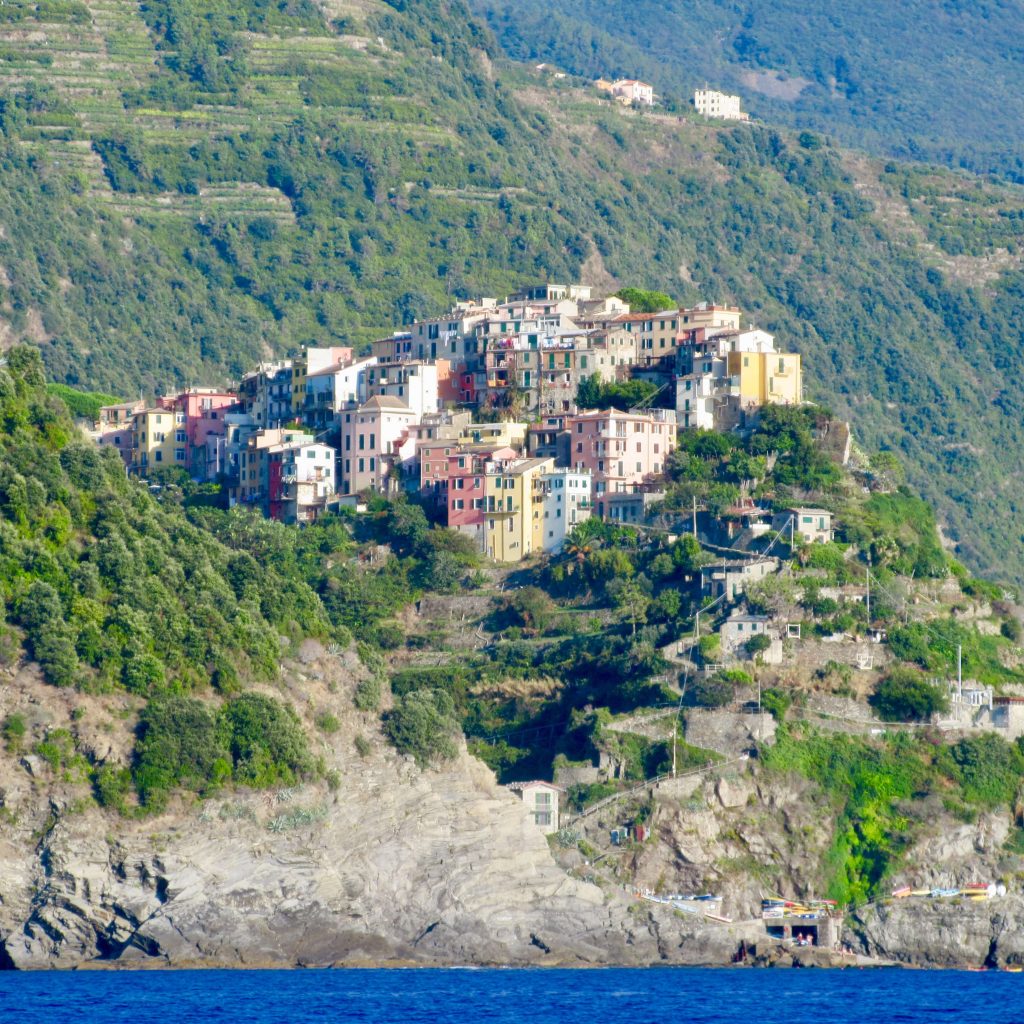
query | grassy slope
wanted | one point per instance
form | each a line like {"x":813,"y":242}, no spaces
{"x":343,"y":184}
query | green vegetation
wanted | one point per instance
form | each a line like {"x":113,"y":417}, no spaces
{"x":626,"y":394}
{"x":13,"y":732}
{"x":111,"y":589}
{"x":641,"y":301}
{"x":423,"y":724}
{"x":905,"y":695}
{"x":871,"y":782}
{"x":84,"y":405}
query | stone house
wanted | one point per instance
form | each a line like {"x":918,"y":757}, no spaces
{"x":542,"y":800}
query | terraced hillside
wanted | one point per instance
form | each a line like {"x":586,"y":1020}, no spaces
{"x":190,"y":187}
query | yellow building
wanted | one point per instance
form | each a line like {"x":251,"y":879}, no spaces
{"x":514,"y":513}
{"x":497,"y":435}
{"x":159,"y":439}
{"x":767,"y":378}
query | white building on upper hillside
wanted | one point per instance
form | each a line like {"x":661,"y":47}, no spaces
{"x":630,"y":90}
{"x":568,"y":500}
{"x":712,"y":103}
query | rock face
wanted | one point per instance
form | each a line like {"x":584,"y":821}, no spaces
{"x":404,"y":865}
{"x":394,"y":865}
{"x":399,"y":865}
{"x":933,"y":932}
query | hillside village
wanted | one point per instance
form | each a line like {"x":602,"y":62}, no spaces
{"x":477,"y":412}
{"x":482,"y":417}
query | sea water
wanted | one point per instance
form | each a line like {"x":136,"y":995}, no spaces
{"x":677,"y":995}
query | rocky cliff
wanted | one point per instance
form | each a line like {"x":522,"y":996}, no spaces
{"x":394,"y":865}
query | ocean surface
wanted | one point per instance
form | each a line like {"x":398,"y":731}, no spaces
{"x":679,"y":995}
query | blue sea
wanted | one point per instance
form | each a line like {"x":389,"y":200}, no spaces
{"x":678,"y":995}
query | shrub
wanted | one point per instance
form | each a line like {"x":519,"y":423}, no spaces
{"x":423,"y":724}
{"x":714,"y":691}
{"x":178,"y":745}
{"x":388,"y":636}
{"x":14,"y":730}
{"x":987,"y":768}
{"x":1010,"y":628}
{"x":776,"y":703}
{"x":265,"y":740}
{"x":907,"y":695}
{"x":328,"y":723}
{"x":112,"y":784}
{"x":757,"y":644}
{"x":368,"y":693}
{"x":363,"y":746}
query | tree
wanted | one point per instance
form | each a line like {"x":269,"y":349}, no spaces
{"x":643,"y":301}
{"x":907,"y":695}
{"x":265,"y":739}
{"x":631,"y":601}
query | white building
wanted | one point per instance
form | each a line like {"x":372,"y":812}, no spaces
{"x":305,"y":483}
{"x":737,"y":630}
{"x":630,"y":90}
{"x":416,"y":384}
{"x":329,"y":390}
{"x":542,"y":800}
{"x":812,"y":525}
{"x":712,"y":103}
{"x":568,"y":500}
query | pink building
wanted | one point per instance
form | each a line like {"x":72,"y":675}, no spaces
{"x":467,"y":471}
{"x":625,"y":451}
{"x":199,"y":415}
{"x":373,"y":439}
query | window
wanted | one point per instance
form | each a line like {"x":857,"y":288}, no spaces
{"x":158,"y":456}
{"x":542,"y":818}
{"x":180,"y":436}
{"x":362,"y":465}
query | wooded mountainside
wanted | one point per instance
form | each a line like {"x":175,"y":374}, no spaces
{"x":190,"y":187}
{"x":922,"y":80}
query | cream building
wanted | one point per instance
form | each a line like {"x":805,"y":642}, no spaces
{"x":712,"y":103}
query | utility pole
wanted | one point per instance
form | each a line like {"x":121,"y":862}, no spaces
{"x":867,"y":579}
{"x":695,"y":537}
{"x":960,"y":671}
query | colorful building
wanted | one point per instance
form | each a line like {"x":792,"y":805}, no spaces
{"x":623,"y":451}
{"x":371,"y":437}
{"x":515,"y":508}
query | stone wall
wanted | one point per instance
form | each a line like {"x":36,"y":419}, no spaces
{"x":728,"y":732}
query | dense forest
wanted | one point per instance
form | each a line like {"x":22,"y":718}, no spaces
{"x":897,"y":79}
{"x":256,"y":177}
